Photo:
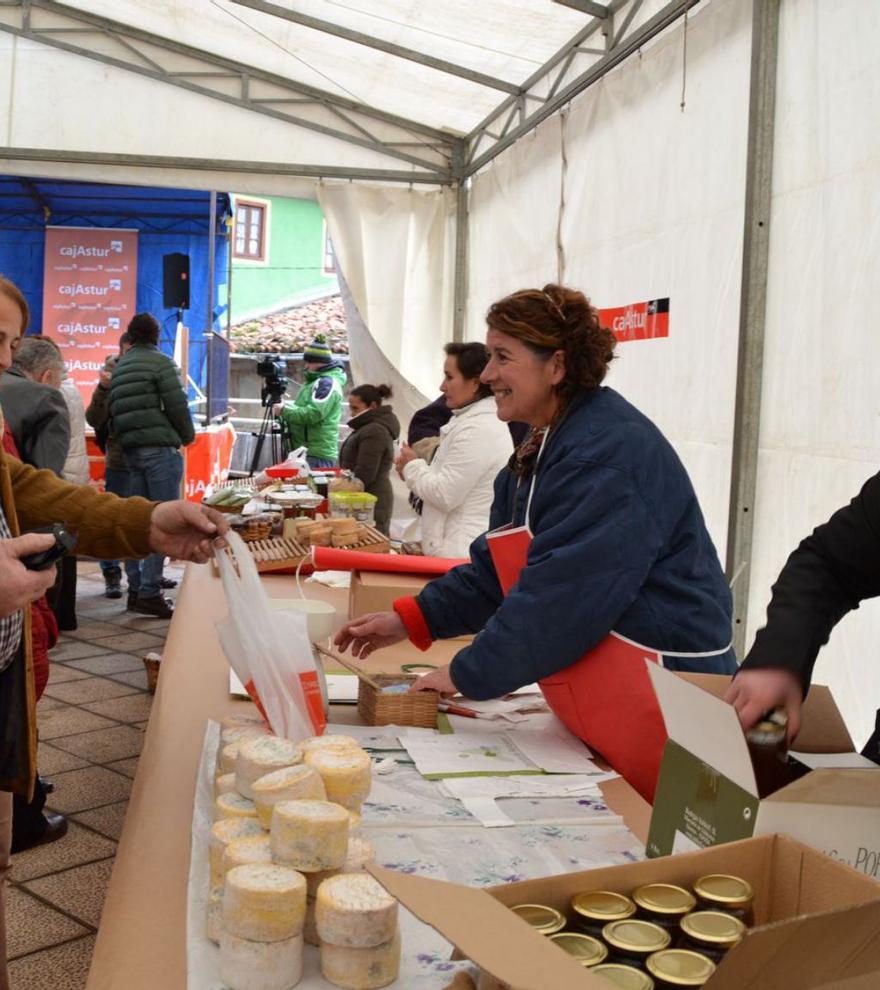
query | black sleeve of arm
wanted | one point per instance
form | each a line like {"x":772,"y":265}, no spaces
{"x":828,"y":575}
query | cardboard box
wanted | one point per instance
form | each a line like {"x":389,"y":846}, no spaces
{"x":375,"y":591}
{"x":817,"y":921}
{"x":706,"y":793}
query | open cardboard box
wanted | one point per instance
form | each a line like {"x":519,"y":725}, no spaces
{"x":817,"y":922}
{"x":375,"y":591}
{"x":706,"y":792}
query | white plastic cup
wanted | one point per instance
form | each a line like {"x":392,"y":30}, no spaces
{"x":320,"y":616}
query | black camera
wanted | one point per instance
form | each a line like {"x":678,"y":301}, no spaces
{"x":274,"y":373}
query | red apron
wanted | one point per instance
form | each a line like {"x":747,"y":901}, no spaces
{"x":605,"y":698}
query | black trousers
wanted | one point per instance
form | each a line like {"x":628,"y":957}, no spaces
{"x":28,"y":823}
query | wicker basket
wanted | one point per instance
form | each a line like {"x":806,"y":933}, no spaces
{"x":152,"y":668}
{"x":375,"y":708}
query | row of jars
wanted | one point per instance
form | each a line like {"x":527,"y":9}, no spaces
{"x":662,"y":936}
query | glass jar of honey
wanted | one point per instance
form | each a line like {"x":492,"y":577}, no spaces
{"x":728,"y":893}
{"x":768,"y":750}
{"x":711,"y":933}
{"x":624,"y":977}
{"x":585,"y":949}
{"x":663,"y":903}
{"x":633,"y":940}
{"x":675,"y":969}
{"x":545,"y":920}
{"x":593,"y":909}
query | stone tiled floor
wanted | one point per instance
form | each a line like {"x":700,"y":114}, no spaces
{"x":92,"y":719}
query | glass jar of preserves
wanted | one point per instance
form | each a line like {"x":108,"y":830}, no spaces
{"x":593,"y":909}
{"x":728,"y":893}
{"x":545,"y":920}
{"x":768,"y":749}
{"x":633,"y":940}
{"x":625,"y":977}
{"x":673,"y":969}
{"x":585,"y":949}
{"x":663,"y":903}
{"x":712,"y":933}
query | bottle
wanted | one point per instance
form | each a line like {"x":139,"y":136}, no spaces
{"x":768,"y":749}
{"x":711,"y":933}
{"x":593,"y":909}
{"x":675,"y":969}
{"x":585,"y":949}
{"x":728,"y":893}
{"x":663,"y":903}
{"x":632,"y":941}
{"x":545,"y":920}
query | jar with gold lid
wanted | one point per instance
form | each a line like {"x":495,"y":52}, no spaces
{"x":675,"y":969}
{"x":633,"y":940}
{"x":545,"y":920}
{"x":725,"y":892}
{"x":591,"y":910}
{"x":585,"y":949}
{"x":663,"y":903}
{"x":712,"y":933}
{"x":625,"y":977}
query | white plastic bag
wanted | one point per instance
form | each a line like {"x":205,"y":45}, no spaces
{"x":269,"y":650}
{"x":297,"y":459}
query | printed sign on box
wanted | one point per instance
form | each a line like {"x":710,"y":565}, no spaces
{"x":89,"y":295}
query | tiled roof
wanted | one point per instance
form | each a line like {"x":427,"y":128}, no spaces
{"x":289,"y":331}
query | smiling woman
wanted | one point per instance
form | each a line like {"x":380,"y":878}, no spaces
{"x":597,"y":555}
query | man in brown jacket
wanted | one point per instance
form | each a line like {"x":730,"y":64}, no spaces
{"x":106,"y":527}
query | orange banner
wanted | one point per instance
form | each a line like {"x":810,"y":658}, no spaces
{"x":89,"y":295}
{"x":638,"y":321}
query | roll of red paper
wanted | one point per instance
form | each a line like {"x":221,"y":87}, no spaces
{"x":332,"y":559}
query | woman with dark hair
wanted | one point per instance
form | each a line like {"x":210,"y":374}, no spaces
{"x":368,"y":451}
{"x":456,"y":487}
{"x":598,"y":559}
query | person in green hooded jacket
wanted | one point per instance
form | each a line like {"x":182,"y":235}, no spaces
{"x":312,"y":419}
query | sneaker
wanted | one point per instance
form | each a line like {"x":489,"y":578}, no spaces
{"x":157,"y":606}
{"x":167,"y":583}
{"x":113,"y":582}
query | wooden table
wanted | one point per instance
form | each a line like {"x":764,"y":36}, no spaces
{"x":141,"y":943}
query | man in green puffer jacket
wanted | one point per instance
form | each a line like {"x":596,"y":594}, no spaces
{"x":312,"y":419}
{"x":150,"y":420}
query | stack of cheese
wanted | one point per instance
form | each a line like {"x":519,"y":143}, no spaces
{"x":284,"y":817}
{"x":359,"y":936}
{"x":343,"y":532}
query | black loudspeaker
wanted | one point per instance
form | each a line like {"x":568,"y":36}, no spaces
{"x":175,"y":281}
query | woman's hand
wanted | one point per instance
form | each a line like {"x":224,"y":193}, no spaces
{"x":437,"y":680}
{"x":406,"y":455}
{"x":754,"y":692}
{"x":370,"y":632}
{"x":186,"y":531}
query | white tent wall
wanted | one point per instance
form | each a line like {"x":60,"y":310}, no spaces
{"x":820,"y":428}
{"x":653,"y":207}
{"x":396,"y":250}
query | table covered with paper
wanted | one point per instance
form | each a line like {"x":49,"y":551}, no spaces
{"x":502,"y":793}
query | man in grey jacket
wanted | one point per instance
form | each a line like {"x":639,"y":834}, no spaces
{"x":33,"y":405}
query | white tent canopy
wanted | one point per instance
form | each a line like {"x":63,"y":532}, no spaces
{"x":461,"y":151}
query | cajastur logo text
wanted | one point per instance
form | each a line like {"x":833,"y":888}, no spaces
{"x":80,"y":289}
{"x":80,"y":251}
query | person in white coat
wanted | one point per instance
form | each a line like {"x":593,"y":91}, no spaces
{"x":457,"y":487}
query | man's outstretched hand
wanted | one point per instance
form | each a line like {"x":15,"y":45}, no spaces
{"x":186,"y":531}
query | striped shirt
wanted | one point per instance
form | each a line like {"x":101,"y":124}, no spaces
{"x":10,"y":625}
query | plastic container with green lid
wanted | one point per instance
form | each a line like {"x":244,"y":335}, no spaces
{"x":353,"y":505}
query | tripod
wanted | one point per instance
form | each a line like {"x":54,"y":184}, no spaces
{"x":275,"y":433}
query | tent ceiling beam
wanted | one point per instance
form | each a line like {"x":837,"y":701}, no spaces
{"x":438,"y":146}
{"x":485,"y":143}
{"x":585,"y":7}
{"x":370,"y":41}
{"x":218,"y":165}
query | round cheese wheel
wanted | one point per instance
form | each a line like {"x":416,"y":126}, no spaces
{"x":354,"y":910}
{"x":224,"y":783}
{"x":233,"y":805}
{"x":296,"y":783}
{"x":243,"y":718}
{"x":264,"y":902}
{"x":222,"y":833}
{"x":361,"y":969}
{"x":347,"y":775}
{"x":360,"y":853}
{"x":215,"y":914}
{"x":257,"y":757}
{"x":226,"y":757}
{"x":241,"y":852}
{"x":329,"y":742}
{"x":309,"y":835}
{"x":354,"y":822}
{"x":249,"y":965}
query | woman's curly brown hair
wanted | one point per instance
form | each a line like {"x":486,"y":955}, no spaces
{"x":556,"y":318}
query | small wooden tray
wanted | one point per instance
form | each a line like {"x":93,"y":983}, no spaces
{"x":279,"y":554}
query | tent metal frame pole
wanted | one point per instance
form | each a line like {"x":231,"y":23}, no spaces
{"x":462,"y":234}
{"x":753,"y":306}
{"x":209,"y":314}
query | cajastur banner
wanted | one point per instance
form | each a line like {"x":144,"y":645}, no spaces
{"x":89,"y":295}
{"x":638,"y":321}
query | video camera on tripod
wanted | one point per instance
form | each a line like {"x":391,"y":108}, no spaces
{"x":273,"y":371}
